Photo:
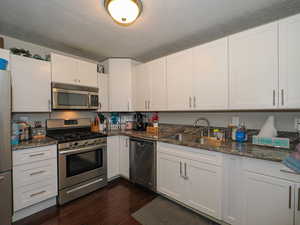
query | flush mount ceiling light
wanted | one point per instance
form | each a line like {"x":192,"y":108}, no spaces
{"x":124,"y":12}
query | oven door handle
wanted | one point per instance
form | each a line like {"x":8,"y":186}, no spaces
{"x":79,"y":150}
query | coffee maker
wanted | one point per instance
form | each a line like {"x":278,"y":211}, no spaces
{"x":139,"y":123}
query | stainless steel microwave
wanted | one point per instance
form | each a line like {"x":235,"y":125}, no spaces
{"x":66,"y":96}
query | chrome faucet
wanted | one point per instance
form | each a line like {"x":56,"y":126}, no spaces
{"x":207,"y":124}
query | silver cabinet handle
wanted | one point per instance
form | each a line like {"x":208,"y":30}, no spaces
{"x":282,"y":97}
{"x":145,"y":104}
{"x":38,"y":154}
{"x":290,"y":197}
{"x":128,"y":105}
{"x":38,"y":193}
{"x":49,"y":105}
{"x":100,"y":105}
{"x":149,"y":104}
{"x":194,"y":101}
{"x":37,"y":173}
{"x":274,"y":95}
{"x":180,"y":169}
{"x":298,"y":199}
{"x":190,"y":102}
{"x":185,"y":172}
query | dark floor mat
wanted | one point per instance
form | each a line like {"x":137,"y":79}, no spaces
{"x":161,"y":211}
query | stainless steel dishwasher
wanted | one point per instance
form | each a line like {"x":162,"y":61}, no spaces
{"x":143,"y":163}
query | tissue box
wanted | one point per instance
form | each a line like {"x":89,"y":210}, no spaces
{"x":271,"y":142}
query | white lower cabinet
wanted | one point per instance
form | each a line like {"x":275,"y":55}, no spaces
{"x":232,"y":191}
{"x":34,"y":176}
{"x":297,"y":205}
{"x":169,"y":176}
{"x":197,"y":184}
{"x":268,"y":200}
{"x":124,"y":156}
{"x":113,"y":145}
{"x":204,"y":187}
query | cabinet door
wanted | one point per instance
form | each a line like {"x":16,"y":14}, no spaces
{"x":179,"y":80}
{"x":268,"y":200}
{"x":87,"y":73}
{"x":289,"y":66}
{"x":124,"y":156}
{"x":113,"y":145}
{"x":103,"y":92}
{"x":170,"y":176}
{"x":158,"y":84}
{"x":141,"y":88}
{"x":31,"y":84}
{"x":253,"y":68}
{"x":297,"y":205}
{"x":64,"y":69}
{"x":204,"y":190}
{"x":210,"y":81}
{"x":120,"y":78}
{"x":232,"y":190}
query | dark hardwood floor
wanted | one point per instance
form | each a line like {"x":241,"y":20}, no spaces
{"x":112,"y":205}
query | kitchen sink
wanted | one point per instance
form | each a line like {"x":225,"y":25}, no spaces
{"x":204,"y":140}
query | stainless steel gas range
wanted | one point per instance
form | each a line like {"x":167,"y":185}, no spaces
{"x":82,"y":157}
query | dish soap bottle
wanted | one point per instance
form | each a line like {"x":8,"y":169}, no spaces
{"x":241,"y":134}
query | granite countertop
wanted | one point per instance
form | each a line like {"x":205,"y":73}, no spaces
{"x":233,"y":148}
{"x":33,"y":143}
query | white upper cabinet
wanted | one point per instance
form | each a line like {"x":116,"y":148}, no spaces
{"x":31,"y":85}
{"x":158,"y":84}
{"x":120,"y":73}
{"x":150,"y":88}
{"x":64,"y":69}
{"x":103,"y":86}
{"x":210,"y":80}
{"x":253,"y":68}
{"x":179,"y":80}
{"x":141,"y":88}
{"x":68,"y":70}
{"x":87,"y":73}
{"x":289,"y":66}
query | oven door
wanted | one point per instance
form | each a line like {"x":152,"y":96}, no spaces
{"x":70,"y":99}
{"x":79,"y":165}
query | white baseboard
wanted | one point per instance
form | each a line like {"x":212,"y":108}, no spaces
{"x":33,"y":209}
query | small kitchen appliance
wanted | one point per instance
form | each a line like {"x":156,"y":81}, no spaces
{"x":66,"y":96}
{"x":139,"y":123}
{"x":82,"y":166}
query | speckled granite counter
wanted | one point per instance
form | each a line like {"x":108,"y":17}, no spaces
{"x":34,"y":143}
{"x":233,"y":148}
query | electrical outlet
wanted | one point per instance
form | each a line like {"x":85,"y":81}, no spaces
{"x":235,"y":121}
{"x":297,"y":123}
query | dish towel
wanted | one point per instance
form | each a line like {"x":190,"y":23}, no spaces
{"x":293,"y":160}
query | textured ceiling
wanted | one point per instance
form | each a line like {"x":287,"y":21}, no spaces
{"x":82,"y":27}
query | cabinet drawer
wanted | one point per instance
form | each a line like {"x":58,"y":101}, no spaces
{"x":34,"y":172}
{"x":274,"y":169}
{"x":35,"y":193}
{"x":31,"y":155}
{"x":205,"y":156}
